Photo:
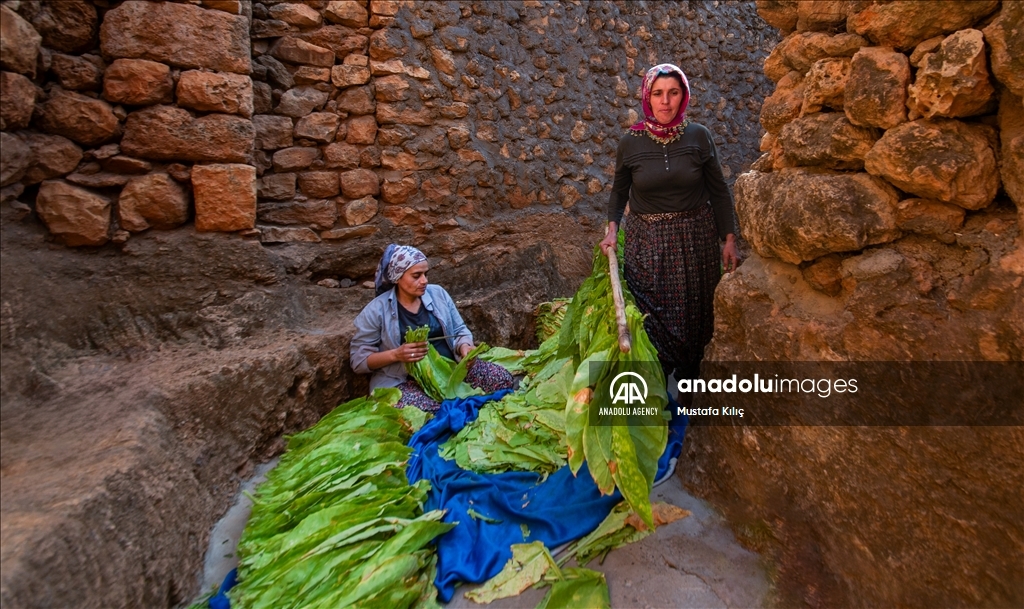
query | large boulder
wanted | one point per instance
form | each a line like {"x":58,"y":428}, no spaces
{"x":904,"y":23}
{"x":15,"y":158}
{"x":225,"y":196}
{"x":799,"y":214}
{"x":182,"y":35}
{"x":19,"y":43}
{"x":945,"y":160}
{"x":170,"y":133}
{"x":83,"y":119}
{"x":53,"y":156}
{"x":954,"y":80}
{"x":68,"y":25}
{"x":17,"y":101}
{"x":1005,"y":36}
{"x":138,"y":82}
{"x":154,"y":200}
{"x":876,"y":88}
{"x":1011,"y":136}
{"x":828,"y":140}
{"x":215,"y":92}
{"x":74,"y":214}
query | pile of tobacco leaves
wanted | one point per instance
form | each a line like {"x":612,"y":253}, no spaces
{"x":337,"y":524}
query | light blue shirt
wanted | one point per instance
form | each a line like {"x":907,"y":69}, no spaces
{"x":377,"y":329}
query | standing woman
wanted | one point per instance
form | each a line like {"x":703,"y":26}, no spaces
{"x":667,"y":170}
{"x":405,"y":300}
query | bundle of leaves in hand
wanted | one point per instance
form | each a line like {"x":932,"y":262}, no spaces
{"x":549,"y":318}
{"x":336,"y":523}
{"x":524,"y":431}
{"x":439,"y":377}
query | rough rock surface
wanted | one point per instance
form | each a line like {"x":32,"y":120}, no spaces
{"x":152,"y":201}
{"x":1005,"y":36}
{"x":19,"y":43}
{"x":953,"y":81}
{"x":167,"y":132}
{"x":74,"y":214}
{"x":213,"y":92}
{"x":319,"y":213}
{"x":829,"y":140}
{"x":904,"y":23}
{"x":907,"y":300}
{"x":798,"y":215}
{"x":945,"y":160}
{"x":69,"y":25}
{"x":17,"y":101}
{"x":272,"y":132}
{"x":784,"y":104}
{"x":876,"y":90}
{"x":78,"y":73}
{"x":1011,"y":135}
{"x":825,"y":85}
{"x":225,"y":197}
{"x":53,"y":156}
{"x":137,"y":82}
{"x":181,"y":35}
{"x":83,"y":119}
{"x":15,"y":158}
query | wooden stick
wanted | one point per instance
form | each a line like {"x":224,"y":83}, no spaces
{"x":625,"y":342}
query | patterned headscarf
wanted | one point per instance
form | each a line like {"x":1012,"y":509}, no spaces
{"x":397,"y":259}
{"x":663,"y":134}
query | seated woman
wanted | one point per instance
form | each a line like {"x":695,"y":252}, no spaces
{"x":405,"y":300}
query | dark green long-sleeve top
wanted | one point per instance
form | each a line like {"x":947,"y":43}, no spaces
{"x":680,"y":176}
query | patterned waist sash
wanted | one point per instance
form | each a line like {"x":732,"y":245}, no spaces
{"x":692,"y":213}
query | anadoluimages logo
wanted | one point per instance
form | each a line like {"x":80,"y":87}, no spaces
{"x":628,"y":392}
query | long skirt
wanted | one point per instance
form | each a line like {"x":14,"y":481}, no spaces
{"x":672,"y":266}
{"x":485,"y":376}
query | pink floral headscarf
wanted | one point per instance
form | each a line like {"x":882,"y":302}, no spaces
{"x":662,"y":134}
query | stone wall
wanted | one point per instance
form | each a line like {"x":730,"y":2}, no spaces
{"x":322,"y":121}
{"x":885,"y":221}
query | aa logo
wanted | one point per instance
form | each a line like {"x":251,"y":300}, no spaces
{"x":627,"y":391}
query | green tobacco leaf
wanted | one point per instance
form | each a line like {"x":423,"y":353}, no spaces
{"x":580,"y":588}
{"x":510,"y":359}
{"x":529,"y":563}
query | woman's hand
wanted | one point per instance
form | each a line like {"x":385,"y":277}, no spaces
{"x":464,"y":349}
{"x":410,"y":352}
{"x":730,"y":255}
{"x":611,"y":239}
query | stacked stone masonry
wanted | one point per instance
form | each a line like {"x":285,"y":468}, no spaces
{"x":916,"y":103}
{"x":395,"y":118}
{"x":885,"y":221}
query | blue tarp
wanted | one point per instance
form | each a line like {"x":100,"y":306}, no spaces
{"x":557,"y":510}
